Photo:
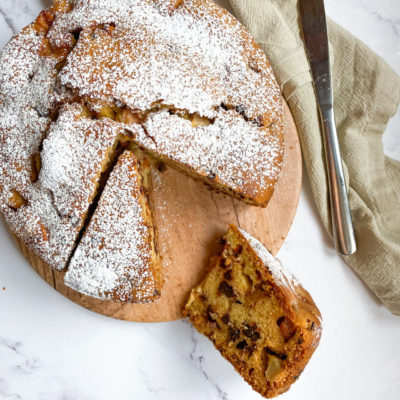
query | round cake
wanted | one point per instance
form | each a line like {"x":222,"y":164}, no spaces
{"x":180,"y":82}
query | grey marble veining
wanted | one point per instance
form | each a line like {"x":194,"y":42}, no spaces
{"x":20,"y":371}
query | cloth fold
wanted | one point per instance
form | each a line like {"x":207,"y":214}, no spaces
{"x":366,"y":96}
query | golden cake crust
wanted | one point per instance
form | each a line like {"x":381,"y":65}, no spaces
{"x":257,"y":314}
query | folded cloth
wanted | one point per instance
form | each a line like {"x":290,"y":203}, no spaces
{"x":367,"y":95}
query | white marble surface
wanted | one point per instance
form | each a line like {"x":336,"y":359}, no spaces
{"x":51,"y":349}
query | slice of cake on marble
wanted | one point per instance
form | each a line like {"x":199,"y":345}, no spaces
{"x":257,"y":314}
{"x":117,"y":257}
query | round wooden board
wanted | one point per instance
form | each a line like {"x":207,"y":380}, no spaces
{"x":190,"y":218}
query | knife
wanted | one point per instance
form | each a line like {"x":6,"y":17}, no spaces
{"x":313,"y":21}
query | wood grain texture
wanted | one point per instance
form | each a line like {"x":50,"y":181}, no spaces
{"x":190,"y":218}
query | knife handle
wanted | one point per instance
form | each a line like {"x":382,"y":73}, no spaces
{"x":342,"y":225}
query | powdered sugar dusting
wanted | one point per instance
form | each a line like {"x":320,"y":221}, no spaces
{"x":84,"y":145}
{"x":26,"y":93}
{"x":26,"y":79}
{"x":279,"y":273}
{"x":114,"y":259}
{"x":195,"y":59}
{"x":230,"y":151}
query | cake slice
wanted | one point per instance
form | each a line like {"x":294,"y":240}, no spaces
{"x":117,"y":258}
{"x":257,"y":315}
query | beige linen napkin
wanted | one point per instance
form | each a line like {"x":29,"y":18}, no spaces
{"x":367,"y":94}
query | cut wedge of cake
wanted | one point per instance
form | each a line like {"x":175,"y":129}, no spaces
{"x":117,"y":258}
{"x":257,"y":315}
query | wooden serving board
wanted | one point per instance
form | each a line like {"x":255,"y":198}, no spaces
{"x":190,"y":218}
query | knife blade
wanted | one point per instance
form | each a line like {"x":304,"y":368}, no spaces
{"x":315,"y":34}
{"x":313,"y":21}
